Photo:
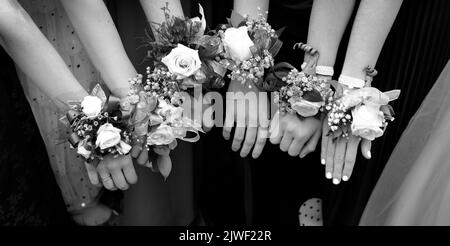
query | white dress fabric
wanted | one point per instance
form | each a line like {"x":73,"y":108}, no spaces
{"x":414,"y":188}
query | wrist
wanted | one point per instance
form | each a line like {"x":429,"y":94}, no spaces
{"x":351,"y":82}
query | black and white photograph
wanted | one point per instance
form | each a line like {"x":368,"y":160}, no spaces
{"x":205,"y":114}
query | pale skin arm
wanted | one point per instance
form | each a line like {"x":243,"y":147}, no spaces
{"x":327,"y":24}
{"x":250,"y":116}
{"x":373,"y":22}
{"x":34,"y":54}
{"x":102,"y":43}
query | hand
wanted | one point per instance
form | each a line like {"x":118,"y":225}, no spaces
{"x":249,"y":111}
{"x":140,"y":153}
{"x":95,"y":215}
{"x":339,"y":155}
{"x":298,"y":137}
{"x":115,"y":172}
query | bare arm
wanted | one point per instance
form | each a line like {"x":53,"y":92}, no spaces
{"x":34,"y":54}
{"x":251,"y":7}
{"x":102,"y":42}
{"x":372,"y":25}
{"x":327,"y":24}
{"x":154,"y":13}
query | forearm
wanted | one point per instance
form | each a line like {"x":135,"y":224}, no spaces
{"x":252,"y":8}
{"x":154,"y":13}
{"x":102,"y":42}
{"x":34,"y":54}
{"x":372,"y":24}
{"x":327,"y":24}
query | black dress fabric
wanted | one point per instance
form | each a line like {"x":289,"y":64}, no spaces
{"x":29,"y":194}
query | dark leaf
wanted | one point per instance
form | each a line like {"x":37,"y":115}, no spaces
{"x":312,"y":96}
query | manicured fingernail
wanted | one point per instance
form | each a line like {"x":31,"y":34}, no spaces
{"x":323,"y":161}
{"x":369,"y":154}
{"x":336,"y":181}
{"x":345,"y":178}
{"x":328,"y":176}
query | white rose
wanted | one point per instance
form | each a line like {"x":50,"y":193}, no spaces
{"x":81,"y":150}
{"x":306,"y":108}
{"x":162,"y":135}
{"x":91,"y":106}
{"x":367,"y":121}
{"x":237,"y":43}
{"x":182,"y":61}
{"x":107,"y":136}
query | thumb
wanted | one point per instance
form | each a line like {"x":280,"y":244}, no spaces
{"x":366,"y":145}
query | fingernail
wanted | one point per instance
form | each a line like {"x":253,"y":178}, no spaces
{"x":302,"y":155}
{"x":323,"y":161}
{"x":328,"y":176}
{"x":369,"y":154}
{"x":345,"y":178}
{"x":336,"y":181}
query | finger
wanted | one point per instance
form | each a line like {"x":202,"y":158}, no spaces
{"x":136,"y":150}
{"x":143,"y":157}
{"x":323,"y":151}
{"x":239,"y":133}
{"x":276,"y":132}
{"x":296,"y":146}
{"x":128,"y":170}
{"x":119,"y":180}
{"x":261,"y":139}
{"x":250,"y":138}
{"x":311,"y":144}
{"x":339,"y":156}
{"x":350,"y":157}
{"x":92,"y":174}
{"x":286,"y":141}
{"x":366,"y":145}
{"x":229,"y":118}
{"x":106,"y":177}
{"x":331,"y":147}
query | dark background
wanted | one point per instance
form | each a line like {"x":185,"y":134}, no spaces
{"x":415,"y":52}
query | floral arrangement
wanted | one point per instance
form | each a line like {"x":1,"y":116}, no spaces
{"x":97,"y":127}
{"x":158,"y":117}
{"x":363,"y":112}
{"x":188,"y":53}
{"x":250,"y":46}
{"x":303,"y":94}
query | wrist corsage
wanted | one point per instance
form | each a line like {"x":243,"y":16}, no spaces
{"x":362,"y":112}
{"x":158,"y":118}
{"x":97,"y":126}
{"x":188,"y":53}
{"x":301,"y":92}
{"x":250,"y":46}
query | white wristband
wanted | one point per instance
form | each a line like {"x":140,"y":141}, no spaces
{"x":351,"y":81}
{"x":325,"y":70}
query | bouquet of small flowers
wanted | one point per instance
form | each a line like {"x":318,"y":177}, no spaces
{"x":188,"y":53}
{"x":158,"y":117}
{"x":97,"y":126}
{"x":250,"y":46}
{"x":303,"y":94}
{"x":363,"y":112}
